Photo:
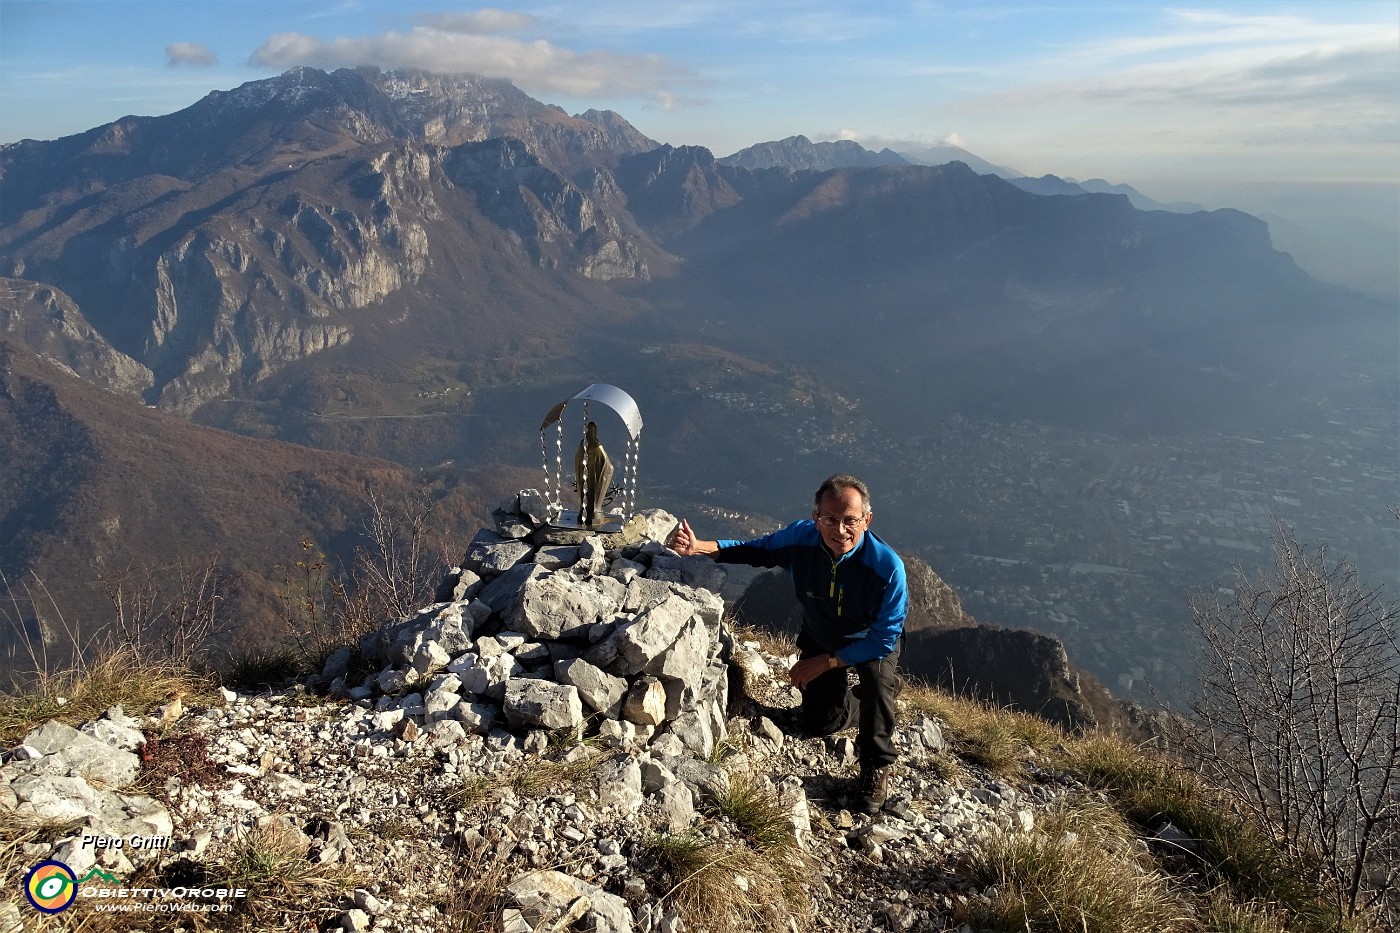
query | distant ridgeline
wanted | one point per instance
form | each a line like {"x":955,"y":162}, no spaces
{"x":398,"y":267}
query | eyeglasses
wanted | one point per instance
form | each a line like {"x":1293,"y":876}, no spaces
{"x":831,"y":522}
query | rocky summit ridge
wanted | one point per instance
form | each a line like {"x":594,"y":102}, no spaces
{"x":569,"y":700}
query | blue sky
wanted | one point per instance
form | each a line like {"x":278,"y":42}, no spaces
{"x":1183,"y":100}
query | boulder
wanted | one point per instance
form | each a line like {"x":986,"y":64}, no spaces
{"x":618,"y":779}
{"x":530,"y":702}
{"x":64,"y":750}
{"x":561,"y":606}
{"x":490,"y":553}
{"x":641,"y":642}
{"x":600,"y":691}
{"x":545,"y":898}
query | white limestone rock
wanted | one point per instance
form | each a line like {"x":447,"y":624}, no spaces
{"x":487,"y":676}
{"x":544,"y":897}
{"x":618,"y":780}
{"x":554,"y":557}
{"x":541,"y":703}
{"x":675,"y":806}
{"x":490,"y":553}
{"x":562,"y":606}
{"x":116,"y":729}
{"x":64,"y":751}
{"x":534,"y":505}
{"x":430,"y":658}
{"x":642,"y":641}
{"x":695,"y":732}
{"x":600,"y":691}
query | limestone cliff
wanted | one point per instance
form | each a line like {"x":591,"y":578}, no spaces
{"x":49,"y":323}
{"x":217,"y":245}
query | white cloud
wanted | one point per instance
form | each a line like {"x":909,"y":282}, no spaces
{"x":805,"y":24}
{"x":536,"y":65}
{"x":1317,"y":86}
{"x":1241,"y":36}
{"x":189,"y":53}
{"x":877,"y":142}
{"x":1248,"y":90}
{"x":484,"y":22}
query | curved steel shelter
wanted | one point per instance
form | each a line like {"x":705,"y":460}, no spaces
{"x":626,"y":409}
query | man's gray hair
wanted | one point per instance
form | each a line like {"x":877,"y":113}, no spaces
{"x":837,"y":482}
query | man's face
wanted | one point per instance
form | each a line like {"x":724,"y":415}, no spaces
{"x":841,"y":518}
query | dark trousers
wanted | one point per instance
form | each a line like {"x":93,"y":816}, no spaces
{"x":828,"y":705}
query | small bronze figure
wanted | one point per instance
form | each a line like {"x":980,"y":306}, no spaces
{"x":593,"y":471}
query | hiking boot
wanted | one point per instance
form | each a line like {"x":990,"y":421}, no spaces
{"x":874,"y":788}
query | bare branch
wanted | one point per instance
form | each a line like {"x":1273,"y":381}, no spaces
{"x":1297,"y":714}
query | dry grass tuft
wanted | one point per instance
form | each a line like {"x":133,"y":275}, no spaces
{"x":540,"y":778}
{"x":999,"y":740}
{"x":753,"y":807}
{"x":1150,"y":790}
{"x":1231,"y":852}
{"x":534,"y":778}
{"x":723,"y":887}
{"x":778,"y":644}
{"x":475,"y":904}
{"x":285,"y":888}
{"x":1081,"y":872}
{"x":756,"y":811}
{"x":1221,"y":914}
{"x":265,"y":668}
{"x":84,"y":692}
{"x":1085,"y":867}
{"x":15,"y":833}
{"x":753,"y":882}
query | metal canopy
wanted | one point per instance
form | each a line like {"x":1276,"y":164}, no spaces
{"x":611,"y":396}
{"x":626,"y":409}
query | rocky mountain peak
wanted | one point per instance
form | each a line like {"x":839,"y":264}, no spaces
{"x":557,"y":711}
{"x":621,"y":135}
{"x":798,"y":153}
{"x":672,"y":188}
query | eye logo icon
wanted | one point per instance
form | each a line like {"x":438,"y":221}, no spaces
{"x":51,"y":887}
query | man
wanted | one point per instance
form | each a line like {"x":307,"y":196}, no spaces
{"x":854,"y":599}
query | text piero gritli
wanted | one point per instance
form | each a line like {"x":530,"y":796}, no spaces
{"x":134,"y":841}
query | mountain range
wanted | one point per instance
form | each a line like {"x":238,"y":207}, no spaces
{"x":1335,"y":248}
{"x":415,"y":267}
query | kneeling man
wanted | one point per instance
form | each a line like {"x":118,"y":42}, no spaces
{"x":854,"y":598}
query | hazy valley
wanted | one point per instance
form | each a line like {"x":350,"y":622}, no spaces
{"x":1077,"y":411}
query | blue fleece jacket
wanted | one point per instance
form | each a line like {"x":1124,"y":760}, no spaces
{"x":853,"y":605}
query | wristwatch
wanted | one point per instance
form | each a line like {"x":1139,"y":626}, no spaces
{"x":835,"y":662}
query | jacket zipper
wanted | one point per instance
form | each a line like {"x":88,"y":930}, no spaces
{"x":833,"y":592}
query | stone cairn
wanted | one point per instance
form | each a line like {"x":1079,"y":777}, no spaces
{"x":546,"y":629}
{"x":539,"y":631}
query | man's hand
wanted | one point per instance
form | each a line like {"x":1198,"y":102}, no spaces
{"x":809,"y":669}
{"x":684,"y":542}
